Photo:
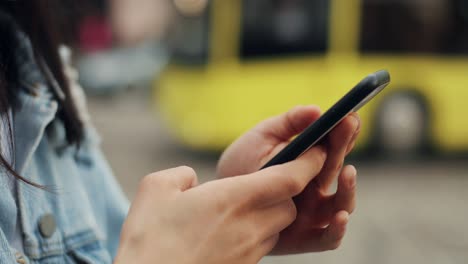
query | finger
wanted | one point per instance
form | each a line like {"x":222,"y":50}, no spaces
{"x":315,"y":239}
{"x":333,"y":235}
{"x":178,"y":179}
{"x":273,"y":219}
{"x":281,"y":182}
{"x":345,"y":197}
{"x":289,"y":124}
{"x":354,"y":138}
{"x":337,"y":144}
{"x":352,"y":144}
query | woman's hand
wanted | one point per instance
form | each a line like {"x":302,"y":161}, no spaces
{"x":322,"y":217}
{"x":232,"y":220}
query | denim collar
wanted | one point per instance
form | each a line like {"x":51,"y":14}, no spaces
{"x":37,"y":106}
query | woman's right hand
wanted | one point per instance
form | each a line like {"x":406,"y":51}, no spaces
{"x":232,"y":220}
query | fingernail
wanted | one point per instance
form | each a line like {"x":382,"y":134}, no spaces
{"x":344,"y":216}
{"x":358,"y":122}
{"x":323,"y":151}
{"x":351,"y":181}
{"x":347,"y":218}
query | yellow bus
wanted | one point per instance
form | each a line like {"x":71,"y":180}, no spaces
{"x":241,"y":61}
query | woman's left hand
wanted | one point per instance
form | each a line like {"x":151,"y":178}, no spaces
{"x":322,"y":217}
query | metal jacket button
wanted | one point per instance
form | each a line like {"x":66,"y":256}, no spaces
{"x":47,"y":225}
{"x":20,"y":258}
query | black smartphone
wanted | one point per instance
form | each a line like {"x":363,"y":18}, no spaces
{"x":362,"y":93}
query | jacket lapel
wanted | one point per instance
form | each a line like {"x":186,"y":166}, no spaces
{"x":35,"y":112}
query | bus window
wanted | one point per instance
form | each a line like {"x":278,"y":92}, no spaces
{"x":415,"y":26}
{"x":189,"y":38}
{"x":283,"y":27}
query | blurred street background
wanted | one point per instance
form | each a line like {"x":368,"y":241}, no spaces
{"x":408,"y":212}
{"x":171,"y":83}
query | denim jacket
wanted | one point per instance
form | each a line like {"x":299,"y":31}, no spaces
{"x":79,"y":221}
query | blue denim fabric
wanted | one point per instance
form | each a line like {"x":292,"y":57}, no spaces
{"x":87,"y":203}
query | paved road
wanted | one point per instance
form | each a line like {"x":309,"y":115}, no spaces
{"x":408,"y":212}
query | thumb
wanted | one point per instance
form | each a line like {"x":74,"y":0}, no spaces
{"x":283,"y":127}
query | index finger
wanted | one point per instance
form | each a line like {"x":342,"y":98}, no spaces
{"x":337,"y":144}
{"x":283,"y":127}
{"x":278,"y":183}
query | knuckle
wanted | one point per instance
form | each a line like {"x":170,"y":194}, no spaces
{"x":294,"y":184}
{"x":255,"y":236}
{"x":187,"y":170}
{"x":163,"y":178}
{"x":151,"y":180}
{"x":242,"y":238}
{"x":189,"y":173}
{"x":315,"y":158}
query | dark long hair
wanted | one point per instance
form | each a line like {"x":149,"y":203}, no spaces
{"x":42,"y":21}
